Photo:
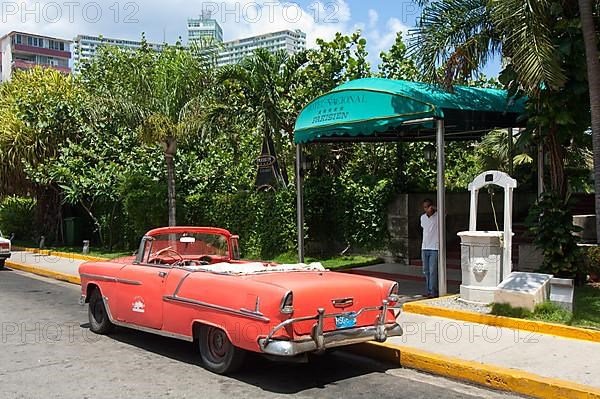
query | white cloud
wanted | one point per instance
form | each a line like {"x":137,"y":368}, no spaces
{"x":373,"y":18}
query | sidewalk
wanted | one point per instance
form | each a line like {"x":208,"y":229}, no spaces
{"x":410,"y":278}
{"x":544,"y":355}
{"x":63,"y":265}
{"x":520,"y":361}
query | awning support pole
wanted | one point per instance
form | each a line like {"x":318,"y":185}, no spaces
{"x":540,"y":169}
{"x":511,"y":163}
{"x":441,"y":203}
{"x":300,"y":202}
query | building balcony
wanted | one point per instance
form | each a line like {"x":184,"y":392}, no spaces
{"x":22,"y":64}
{"x":22,"y":48}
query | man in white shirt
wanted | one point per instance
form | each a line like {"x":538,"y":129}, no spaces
{"x":430,"y":247}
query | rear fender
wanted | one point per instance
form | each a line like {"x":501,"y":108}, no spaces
{"x":196,"y":323}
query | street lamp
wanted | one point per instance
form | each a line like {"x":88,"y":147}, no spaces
{"x":306,"y":164}
{"x":429,"y":152}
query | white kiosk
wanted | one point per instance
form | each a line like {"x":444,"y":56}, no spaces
{"x":486,"y":255}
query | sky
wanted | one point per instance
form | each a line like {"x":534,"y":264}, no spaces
{"x":379,"y":20}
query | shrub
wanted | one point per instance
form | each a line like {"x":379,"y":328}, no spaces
{"x":144,"y":206}
{"x":17,"y":216}
{"x":550,"y":223}
{"x":348,"y":212}
{"x":265,"y":221}
{"x":337,"y":213}
{"x":593,"y":260}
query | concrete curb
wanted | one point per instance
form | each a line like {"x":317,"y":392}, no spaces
{"x":44,"y":272}
{"x":422,"y":308}
{"x":68,"y":255}
{"x":486,"y":375}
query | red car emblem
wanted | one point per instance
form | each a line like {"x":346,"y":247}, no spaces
{"x":343,"y":302}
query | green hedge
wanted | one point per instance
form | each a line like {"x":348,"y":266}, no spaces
{"x":265,"y":221}
{"x":17,"y":216}
{"x":336,"y":214}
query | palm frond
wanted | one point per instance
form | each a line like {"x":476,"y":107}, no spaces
{"x":457,"y":36}
{"x":526,"y":27}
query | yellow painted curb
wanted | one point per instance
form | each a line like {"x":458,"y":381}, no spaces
{"x":487,"y":375}
{"x":44,"y":272}
{"x":422,"y":308}
{"x":69,"y":255}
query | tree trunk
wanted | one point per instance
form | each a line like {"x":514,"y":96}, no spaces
{"x":88,"y":209}
{"x":593,"y":71}
{"x":557,"y":164}
{"x":170,"y":151}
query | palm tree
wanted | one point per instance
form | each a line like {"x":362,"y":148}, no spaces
{"x":265,"y":80}
{"x":164,"y":98}
{"x":462,"y":35}
{"x":593,"y":72}
{"x":455,"y":38}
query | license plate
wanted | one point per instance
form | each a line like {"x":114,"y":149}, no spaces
{"x":346,"y":321}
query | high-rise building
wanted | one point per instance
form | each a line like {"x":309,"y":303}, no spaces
{"x":204,"y":27}
{"x":25,"y":50}
{"x":291,"y":41}
{"x":85,"y":47}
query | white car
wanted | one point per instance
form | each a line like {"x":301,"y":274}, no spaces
{"x":4,"y":249}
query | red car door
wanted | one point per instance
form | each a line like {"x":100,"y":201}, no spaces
{"x":140,"y":294}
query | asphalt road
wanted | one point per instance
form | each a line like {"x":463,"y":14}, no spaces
{"x":47,"y":351}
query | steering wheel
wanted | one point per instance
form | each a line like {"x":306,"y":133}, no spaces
{"x":205,"y":260}
{"x":169,"y":250}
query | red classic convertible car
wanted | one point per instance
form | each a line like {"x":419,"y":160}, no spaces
{"x":189,"y":283}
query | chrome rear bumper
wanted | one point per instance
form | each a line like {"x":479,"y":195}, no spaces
{"x":320,"y":340}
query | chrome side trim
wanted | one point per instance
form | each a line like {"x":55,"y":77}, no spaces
{"x":110,"y":279}
{"x":256,"y":311}
{"x":141,"y":328}
{"x":180,"y":284}
{"x":128,"y":282}
{"x":99,"y":277}
{"x":250,"y":314}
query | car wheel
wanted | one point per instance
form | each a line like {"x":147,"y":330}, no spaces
{"x":99,"y":321}
{"x":218,"y":353}
{"x":2,"y":263}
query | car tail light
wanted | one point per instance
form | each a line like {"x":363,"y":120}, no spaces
{"x":393,"y":294}
{"x":287,"y":303}
{"x":4,"y":245}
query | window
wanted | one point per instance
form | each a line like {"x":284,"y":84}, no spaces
{"x":164,"y":249}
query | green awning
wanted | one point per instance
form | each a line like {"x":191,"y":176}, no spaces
{"x":373,"y":106}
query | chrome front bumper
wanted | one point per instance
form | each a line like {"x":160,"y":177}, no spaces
{"x":320,"y":340}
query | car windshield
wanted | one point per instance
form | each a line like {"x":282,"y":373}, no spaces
{"x":190,"y":245}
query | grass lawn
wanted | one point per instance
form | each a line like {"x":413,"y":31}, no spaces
{"x":586,"y":310}
{"x":332,"y":263}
